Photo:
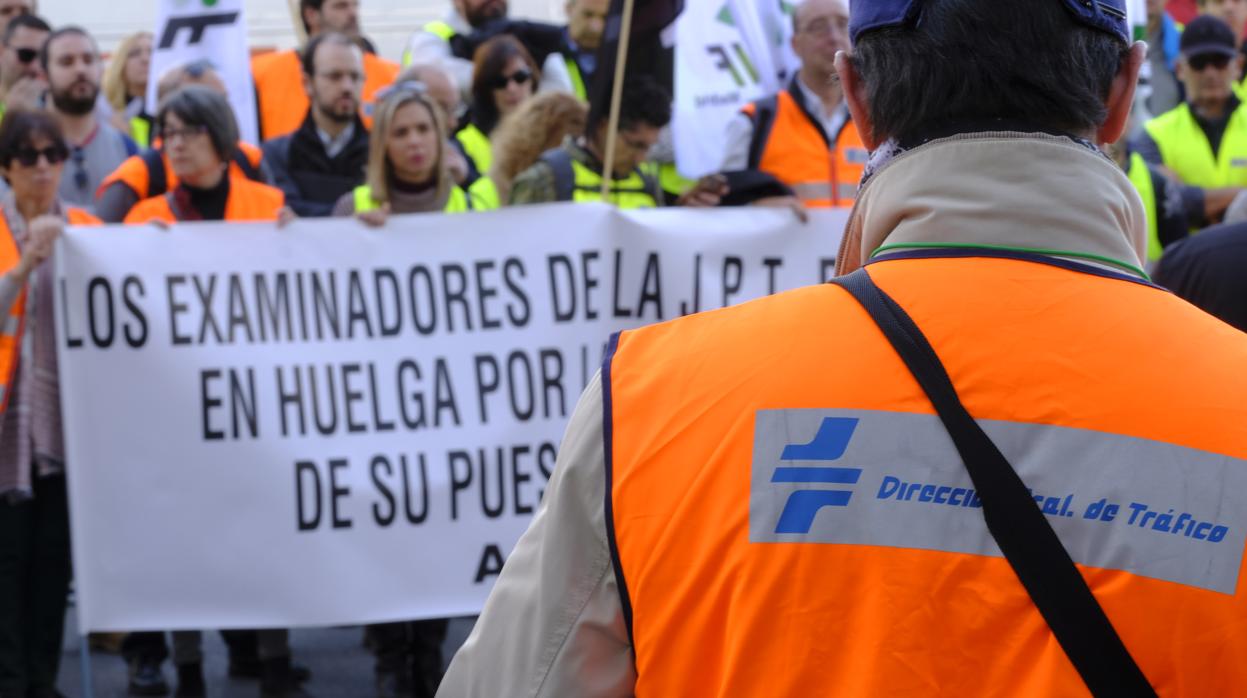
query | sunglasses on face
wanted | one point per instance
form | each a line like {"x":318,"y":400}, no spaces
{"x":1216,"y":60}
{"x":54,"y":154}
{"x":519,"y":77}
{"x":26,"y":55}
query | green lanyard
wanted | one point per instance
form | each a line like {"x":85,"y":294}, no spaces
{"x":1033,"y":250}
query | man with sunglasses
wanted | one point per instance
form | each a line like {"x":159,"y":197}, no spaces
{"x":850,"y":489}
{"x":22,"y":82}
{"x":1204,"y":140}
{"x":72,"y":63}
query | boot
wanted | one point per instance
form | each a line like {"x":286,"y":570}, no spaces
{"x":190,"y":681}
{"x":277,"y":679}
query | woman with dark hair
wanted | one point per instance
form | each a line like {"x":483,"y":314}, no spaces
{"x":200,"y":136}
{"x":34,"y":514}
{"x":505,"y":76}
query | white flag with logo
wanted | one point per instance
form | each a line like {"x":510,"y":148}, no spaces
{"x":728,"y":53}
{"x":213,"y":31}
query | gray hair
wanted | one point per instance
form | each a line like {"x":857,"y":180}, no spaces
{"x":196,"y":105}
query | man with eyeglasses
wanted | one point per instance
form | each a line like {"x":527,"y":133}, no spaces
{"x":280,"y":99}
{"x":1204,"y":140}
{"x":804,"y":135}
{"x":327,"y":156}
{"x":22,"y":82}
{"x":72,"y":63}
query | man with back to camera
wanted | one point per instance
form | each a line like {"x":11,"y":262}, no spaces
{"x":762,"y":500}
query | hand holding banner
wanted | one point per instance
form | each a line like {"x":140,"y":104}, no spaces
{"x":330,"y":424}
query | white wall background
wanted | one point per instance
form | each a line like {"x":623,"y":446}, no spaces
{"x":387,"y":22}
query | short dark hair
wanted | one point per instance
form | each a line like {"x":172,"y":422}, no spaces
{"x":44,"y":58}
{"x":196,"y":105}
{"x":19,"y":127}
{"x":986,"y":59}
{"x":309,"y":5}
{"x":308,"y":57}
{"x":488,"y":62}
{"x":34,"y":22}
{"x":644,"y":102}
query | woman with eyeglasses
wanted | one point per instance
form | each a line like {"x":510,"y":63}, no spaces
{"x":34,"y":515}
{"x":505,"y":75}
{"x":200,"y":136}
{"x":407,"y":170}
{"x":125,"y":87}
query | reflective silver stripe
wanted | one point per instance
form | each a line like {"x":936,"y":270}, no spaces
{"x":812,"y":191}
{"x":821,"y":191}
{"x":894,"y":479}
{"x":11,"y":325}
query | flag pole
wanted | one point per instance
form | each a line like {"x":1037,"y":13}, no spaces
{"x":296,"y":15}
{"x":621,"y":60}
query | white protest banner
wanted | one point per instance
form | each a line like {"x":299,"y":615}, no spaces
{"x":329,"y":424}
{"x":207,"y":30}
{"x":727,"y":54}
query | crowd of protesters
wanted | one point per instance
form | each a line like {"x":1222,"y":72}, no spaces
{"x":482,"y":112}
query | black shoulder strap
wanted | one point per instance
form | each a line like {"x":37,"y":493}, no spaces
{"x":157,"y":183}
{"x":763,"y":119}
{"x":560,"y":162}
{"x":1021,"y":530}
{"x":244,"y":163}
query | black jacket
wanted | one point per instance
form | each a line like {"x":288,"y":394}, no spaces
{"x":312,"y":180}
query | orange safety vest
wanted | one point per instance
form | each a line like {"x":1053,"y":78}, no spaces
{"x":883,"y":579}
{"x":791,"y":145}
{"x":14,"y":323}
{"x":248,"y":201}
{"x":282,"y":102}
{"x":148,"y":174}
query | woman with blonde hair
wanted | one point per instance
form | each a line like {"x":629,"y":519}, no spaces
{"x":536,"y":126}
{"x":407,"y":170}
{"x":125,"y":87}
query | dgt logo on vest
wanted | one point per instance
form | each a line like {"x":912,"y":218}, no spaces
{"x":829,"y":444}
{"x":894,"y":479}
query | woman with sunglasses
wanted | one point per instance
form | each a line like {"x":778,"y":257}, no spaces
{"x":200,"y":136}
{"x":407,"y":164}
{"x":505,"y":76}
{"x":34,"y":515}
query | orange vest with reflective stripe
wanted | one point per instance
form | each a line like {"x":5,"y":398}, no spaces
{"x":788,"y":517}
{"x":135,"y":173}
{"x":248,"y":201}
{"x":282,"y":102}
{"x":14,"y":322}
{"x":824,"y":170}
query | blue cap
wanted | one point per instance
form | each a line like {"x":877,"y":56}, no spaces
{"x":869,"y":15}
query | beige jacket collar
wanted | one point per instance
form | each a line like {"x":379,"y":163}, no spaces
{"x":1019,"y":190}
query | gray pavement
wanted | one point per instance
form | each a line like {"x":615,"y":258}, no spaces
{"x":341,"y":666}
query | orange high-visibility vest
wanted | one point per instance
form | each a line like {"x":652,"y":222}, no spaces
{"x":282,"y":102}
{"x":248,"y":201}
{"x":824,"y":170}
{"x":788,"y":516}
{"x":143,"y":173}
{"x":14,"y":323}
